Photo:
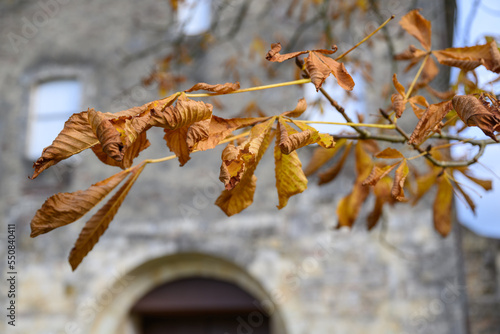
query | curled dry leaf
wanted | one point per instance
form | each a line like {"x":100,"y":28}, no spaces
{"x":417,"y":26}
{"x":184,"y":113}
{"x":219,"y":128}
{"x":226,"y":88}
{"x":443,"y":206}
{"x":99,"y":222}
{"x":76,"y":136}
{"x":239,"y":197}
{"x":378,"y":172}
{"x":429,"y":120}
{"x":290,"y":179}
{"x":322,"y":139}
{"x":398,"y":104}
{"x":130,"y":154}
{"x":65,"y":208}
{"x":473,"y":112}
{"x":397,"y":191}
{"x":107,"y":134}
{"x":290,"y":139}
{"x":274,"y":55}
{"x":320,"y":67}
{"x":468,"y":58}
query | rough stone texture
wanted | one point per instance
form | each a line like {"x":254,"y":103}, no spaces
{"x":396,"y":279}
{"x":482,"y":268}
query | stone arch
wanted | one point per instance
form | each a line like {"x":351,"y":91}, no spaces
{"x":115,"y":317}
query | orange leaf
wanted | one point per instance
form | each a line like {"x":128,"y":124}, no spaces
{"x":468,"y":58}
{"x":389,"y":153}
{"x":473,"y":112}
{"x":382,"y":191}
{"x":348,"y":207}
{"x":99,"y":222}
{"x":176,"y":142}
{"x":418,"y":100}
{"x":399,"y":87}
{"x":431,"y":118}
{"x":442,"y":206}
{"x":417,"y":26}
{"x":399,"y":182}
{"x":226,"y":88}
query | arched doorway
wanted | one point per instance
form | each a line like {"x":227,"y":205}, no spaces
{"x":199,"y":305}
{"x":119,"y":315}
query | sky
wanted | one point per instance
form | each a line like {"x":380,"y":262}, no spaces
{"x":487,"y":220}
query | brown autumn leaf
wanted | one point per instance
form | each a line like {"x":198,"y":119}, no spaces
{"x":65,"y":208}
{"x":377,"y":173}
{"x":290,"y":139}
{"x":240,"y":197}
{"x":130,"y":153}
{"x":108,"y":135}
{"x":398,"y":104}
{"x":177,"y":143}
{"x":331,"y":173}
{"x":468,"y":58}
{"x":399,"y":87}
{"x":473,"y":112}
{"x":184,"y":113}
{"x":274,"y":55}
{"x":226,"y":88}
{"x":99,"y":222}
{"x":290,"y":179}
{"x":219,"y":128}
{"x":321,"y":156}
{"x":417,"y":26}
{"x":76,"y":137}
{"x":197,"y":132}
{"x":413,"y":54}
{"x":348,"y":207}
{"x":417,"y":100}
{"x":320,"y":67}
{"x":442,"y":206}
{"x":429,"y":120}
{"x":397,"y":190}
{"x":299,"y":109}
{"x":322,"y":139}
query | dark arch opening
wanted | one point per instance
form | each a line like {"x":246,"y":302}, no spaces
{"x":199,"y":305}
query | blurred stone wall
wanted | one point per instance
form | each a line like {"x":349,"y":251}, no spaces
{"x":400,"y":278}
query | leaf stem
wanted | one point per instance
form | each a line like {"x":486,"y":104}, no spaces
{"x":408,"y":93}
{"x":368,"y":125}
{"x":366,"y":38}
{"x":252,"y":89}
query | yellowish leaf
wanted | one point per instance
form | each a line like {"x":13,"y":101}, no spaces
{"x":331,"y":173}
{"x":389,"y":153}
{"x":290,"y":179}
{"x":321,"y":156}
{"x":442,"y":206}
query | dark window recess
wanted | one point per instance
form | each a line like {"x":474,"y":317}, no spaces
{"x":200,"y":306}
